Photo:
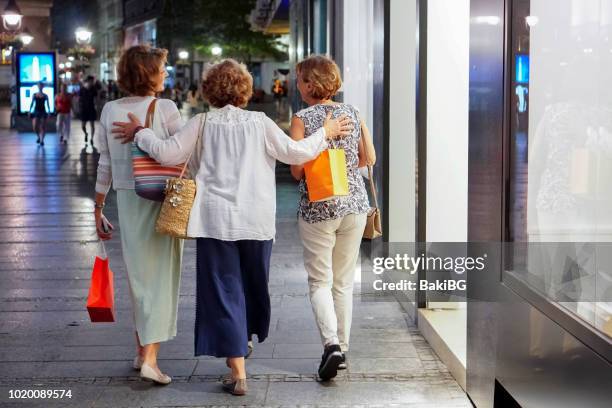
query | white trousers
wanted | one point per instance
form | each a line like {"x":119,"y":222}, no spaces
{"x":331,"y":250}
{"x":63,"y":125}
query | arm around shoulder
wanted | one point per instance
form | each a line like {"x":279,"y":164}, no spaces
{"x":287,"y":150}
{"x":297,"y":133}
{"x":173,"y":150}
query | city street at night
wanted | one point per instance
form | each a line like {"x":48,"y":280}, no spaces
{"x":47,"y":244}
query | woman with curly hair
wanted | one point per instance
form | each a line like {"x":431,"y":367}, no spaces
{"x":153,"y":261}
{"x":331,"y":230}
{"x":233,"y":217}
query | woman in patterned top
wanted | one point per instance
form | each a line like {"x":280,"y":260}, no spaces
{"x":331,"y":230}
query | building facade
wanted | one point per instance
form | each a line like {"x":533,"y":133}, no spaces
{"x":109,"y":35}
{"x":492,"y":134}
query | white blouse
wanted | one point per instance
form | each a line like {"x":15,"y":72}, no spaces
{"x":115,"y":164}
{"x":235,"y":170}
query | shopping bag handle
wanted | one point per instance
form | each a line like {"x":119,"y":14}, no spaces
{"x":201,"y":129}
{"x":104,"y":254}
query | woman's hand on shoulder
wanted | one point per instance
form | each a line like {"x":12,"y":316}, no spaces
{"x":338,"y":127}
{"x":126,"y":131}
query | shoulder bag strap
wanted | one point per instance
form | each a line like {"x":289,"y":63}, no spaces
{"x":150,"y":113}
{"x":203,"y":118}
{"x":370,"y":169}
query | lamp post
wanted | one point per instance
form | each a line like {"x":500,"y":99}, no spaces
{"x":12,"y":37}
{"x":11,"y":17}
{"x":216,"y":50}
{"x":82,"y":51}
{"x":26,"y":38}
{"x":83,"y":36}
{"x":183,"y":55}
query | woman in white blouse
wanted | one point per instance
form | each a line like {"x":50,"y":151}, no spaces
{"x":233,"y":216}
{"x":153,"y":261}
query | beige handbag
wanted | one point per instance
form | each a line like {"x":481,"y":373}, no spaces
{"x":373,"y":228}
{"x":180,"y":195}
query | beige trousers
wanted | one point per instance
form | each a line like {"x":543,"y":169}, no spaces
{"x":331,"y":250}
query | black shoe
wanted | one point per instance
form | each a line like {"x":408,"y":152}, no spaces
{"x":331,"y":359}
{"x":38,"y":140}
{"x":85,"y":137}
{"x":250,"y":349}
{"x":342,"y":365}
{"x":42,"y":143}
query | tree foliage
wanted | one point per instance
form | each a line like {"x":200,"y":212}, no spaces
{"x":200,"y":24}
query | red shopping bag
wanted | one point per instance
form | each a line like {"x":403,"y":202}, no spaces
{"x":101,"y":299}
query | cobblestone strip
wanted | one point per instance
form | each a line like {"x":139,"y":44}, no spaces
{"x":358,"y":377}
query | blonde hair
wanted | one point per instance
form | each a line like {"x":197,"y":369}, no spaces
{"x":323,"y":75}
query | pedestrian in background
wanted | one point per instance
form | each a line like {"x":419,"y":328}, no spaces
{"x":233,"y":216}
{"x":153,"y":260}
{"x":41,"y":110}
{"x":194,"y":98}
{"x":87,"y":105}
{"x":331,"y":230}
{"x":63,"y":108}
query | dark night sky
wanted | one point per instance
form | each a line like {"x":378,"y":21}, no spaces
{"x":66,"y":16}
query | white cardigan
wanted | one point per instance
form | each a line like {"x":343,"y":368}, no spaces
{"x":236,"y":184}
{"x":115,"y":164}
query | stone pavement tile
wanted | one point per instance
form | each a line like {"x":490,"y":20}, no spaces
{"x":349,"y":393}
{"x":30,"y":353}
{"x":261,"y":366}
{"x":296,"y":350}
{"x":41,"y":340}
{"x":168,"y":351}
{"x":390,"y":335}
{"x":82,"y":397}
{"x":20,"y":370}
{"x":110,"y":336}
{"x":397,"y":365}
{"x":107,"y":368}
{"x":389,"y":349}
{"x":141,"y":394}
{"x":296,"y":302}
{"x":294,"y":336}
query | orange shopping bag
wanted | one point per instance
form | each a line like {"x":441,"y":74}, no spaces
{"x":326,"y":176}
{"x":101,"y":299}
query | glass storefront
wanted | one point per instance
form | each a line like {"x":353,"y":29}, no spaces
{"x":561,"y":154}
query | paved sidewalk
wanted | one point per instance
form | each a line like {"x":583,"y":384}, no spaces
{"x":47,"y":244}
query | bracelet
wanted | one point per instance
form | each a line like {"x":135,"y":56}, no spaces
{"x":138,"y":129}
{"x":100,"y":206}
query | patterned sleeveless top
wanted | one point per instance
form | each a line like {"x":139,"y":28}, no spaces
{"x":356,"y":202}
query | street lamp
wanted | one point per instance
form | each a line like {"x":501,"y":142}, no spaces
{"x":11,"y":16}
{"x":183,"y":55}
{"x":216,"y":50}
{"x":83,"y":36}
{"x":26,"y":37}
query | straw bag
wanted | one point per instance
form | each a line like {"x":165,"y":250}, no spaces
{"x":180,"y":195}
{"x":373,"y":228}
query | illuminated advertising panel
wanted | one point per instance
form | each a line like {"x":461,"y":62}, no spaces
{"x":33,"y":68}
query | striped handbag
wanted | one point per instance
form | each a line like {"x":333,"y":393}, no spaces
{"x":149,"y":176}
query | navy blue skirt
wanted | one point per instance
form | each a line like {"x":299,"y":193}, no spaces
{"x":232,"y":299}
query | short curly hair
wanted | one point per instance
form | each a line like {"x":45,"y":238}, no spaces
{"x":227,"y":83}
{"x":322,"y":73}
{"x":138,"y":67}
